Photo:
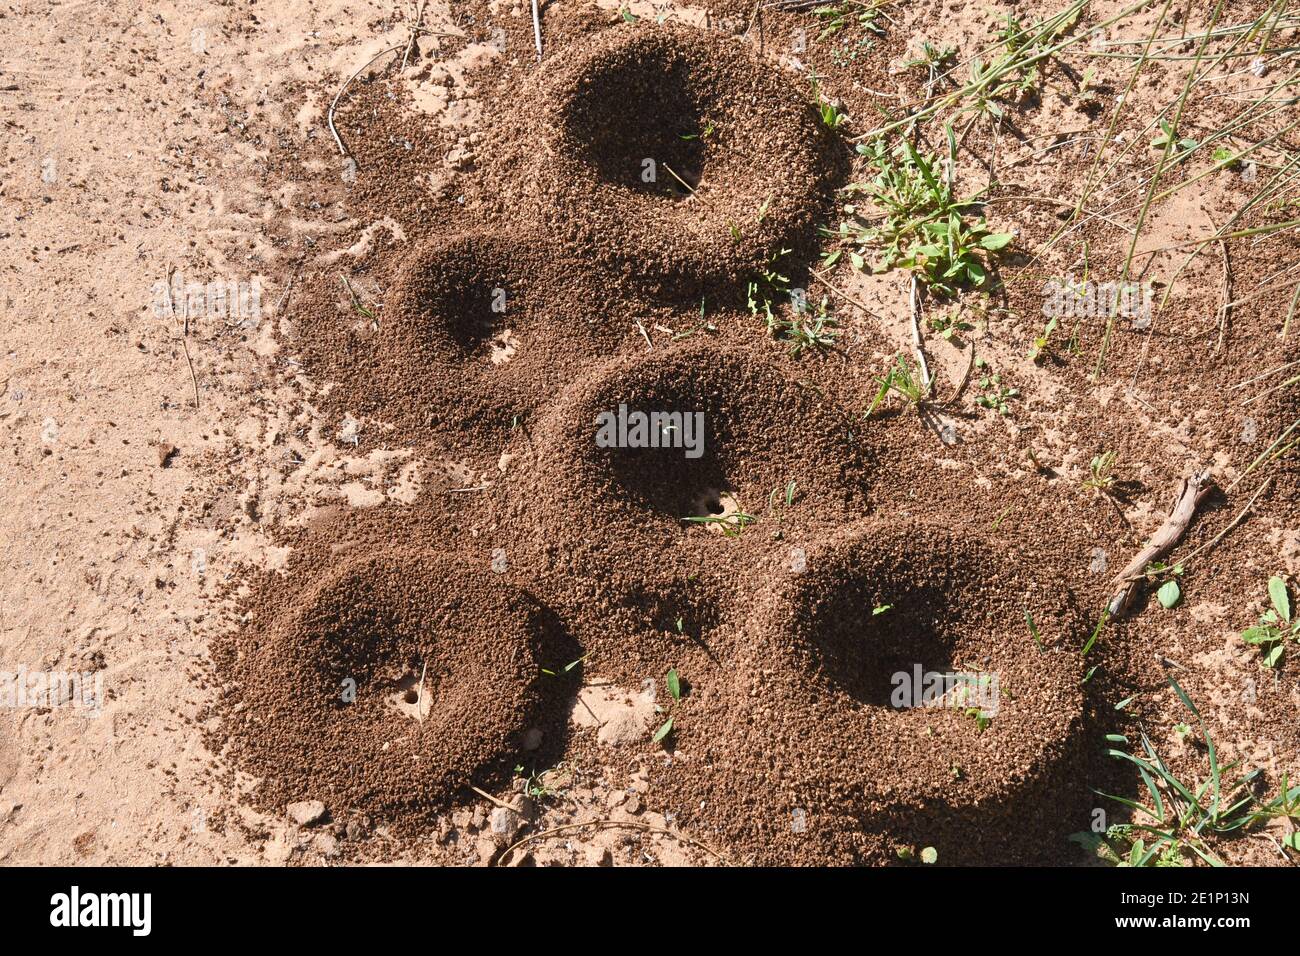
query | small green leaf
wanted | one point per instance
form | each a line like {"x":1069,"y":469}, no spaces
{"x":663,"y":731}
{"x":1258,"y":635}
{"x":929,"y":855}
{"x":1169,"y":594}
{"x":1277,"y":593}
{"x":628,"y":16}
{"x":996,"y":241}
{"x":674,"y":684}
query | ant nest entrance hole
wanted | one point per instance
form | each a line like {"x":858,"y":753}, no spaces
{"x":718,"y":512}
{"x":410,"y":695}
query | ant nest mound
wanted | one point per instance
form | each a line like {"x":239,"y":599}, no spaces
{"x":468,"y":338}
{"x":675,"y":157}
{"x":388,"y":685}
{"x":912,"y":645}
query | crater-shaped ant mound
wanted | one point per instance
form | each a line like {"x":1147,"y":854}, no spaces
{"x":388,"y":685}
{"x":676,"y":157}
{"x":657,"y":451}
{"x":912,"y":645}
{"x":479,"y":330}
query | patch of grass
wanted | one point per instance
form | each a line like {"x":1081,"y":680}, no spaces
{"x":1182,"y":814}
{"x":809,"y":330}
{"x":1123,"y":845}
{"x":1014,"y":70}
{"x":767,"y":287}
{"x":920,"y":225}
{"x":804,"y":330}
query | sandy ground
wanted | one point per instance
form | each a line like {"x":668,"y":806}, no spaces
{"x":120,"y":169}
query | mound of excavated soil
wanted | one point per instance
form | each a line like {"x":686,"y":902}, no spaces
{"x":670,"y":156}
{"x":477,"y":331}
{"x":386,"y":684}
{"x":834,"y":719}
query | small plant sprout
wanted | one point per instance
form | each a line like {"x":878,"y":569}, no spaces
{"x":1041,"y":342}
{"x":902,"y":381}
{"x":675,"y":690}
{"x":1225,"y":158}
{"x":731,"y":525}
{"x":705,"y":134}
{"x":933,"y":59}
{"x":535,"y":785}
{"x":982,"y":720}
{"x":1170,"y":593}
{"x":840,"y":16}
{"x":1033,"y":630}
{"x":1276,"y":626}
{"x":664,"y":730}
{"x":831,"y":115}
{"x":948,"y":326}
{"x":1101,"y":472}
{"x":928,"y":855}
{"x":781,"y":495}
{"x":566,"y":668}
{"x":996,"y":396}
{"x":1167,"y":136}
